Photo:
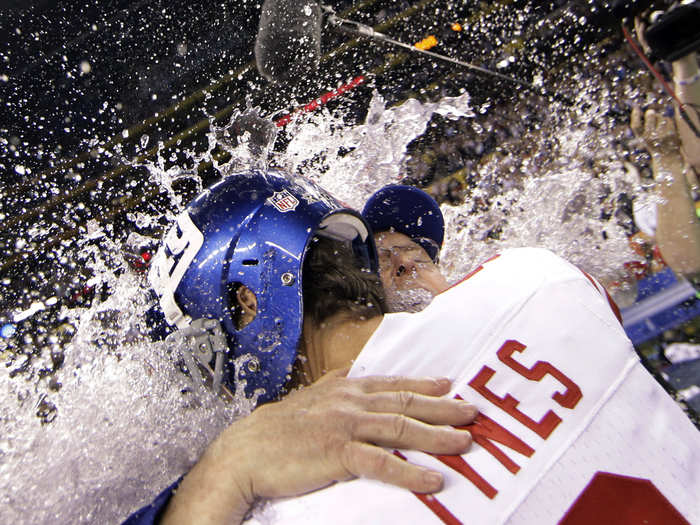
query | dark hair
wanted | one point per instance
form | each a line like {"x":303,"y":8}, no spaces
{"x":335,"y":280}
{"x":234,"y":306}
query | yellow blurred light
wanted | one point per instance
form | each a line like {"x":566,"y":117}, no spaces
{"x":427,"y":43}
{"x":456,"y":26}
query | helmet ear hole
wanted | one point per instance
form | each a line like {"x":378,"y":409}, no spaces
{"x":243,"y":304}
{"x":236,"y":257}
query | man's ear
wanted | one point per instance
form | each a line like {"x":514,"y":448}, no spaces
{"x":249,"y":306}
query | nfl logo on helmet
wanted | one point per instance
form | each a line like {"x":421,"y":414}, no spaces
{"x":284,"y":201}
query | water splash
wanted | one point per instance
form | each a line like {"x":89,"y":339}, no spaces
{"x":248,"y":138}
{"x":559,"y":210}
{"x":352,"y":163}
{"x":124,"y":422}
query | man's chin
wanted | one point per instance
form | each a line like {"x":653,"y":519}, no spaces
{"x":408,"y":300}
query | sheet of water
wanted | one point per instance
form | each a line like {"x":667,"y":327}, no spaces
{"x":123,"y":424}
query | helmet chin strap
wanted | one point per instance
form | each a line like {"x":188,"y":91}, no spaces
{"x":199,"y":343}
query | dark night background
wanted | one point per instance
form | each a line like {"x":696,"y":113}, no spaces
{"x":86,"y":86}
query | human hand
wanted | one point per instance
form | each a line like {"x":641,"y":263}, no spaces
{"x":657,"y":131}
{"x":330,"y":431}
{"x":690,"y":142}
{"x":334,"y":431}
{"x":639,"y":28}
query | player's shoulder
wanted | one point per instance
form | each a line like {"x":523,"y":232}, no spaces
{"x":535,"y":263}
{"x":543,"y":269}
{"x":523,"y":271}
{"x":535,"y":257}
{"x":516,"y":272}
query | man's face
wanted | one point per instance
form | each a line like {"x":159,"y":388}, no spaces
{"x":409,"y":276}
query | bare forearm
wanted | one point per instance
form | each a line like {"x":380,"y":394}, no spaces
{"x":687,"y":86}
{"x":678,"y":228}
{"x":685,"y":68}
{"x":215,"y":490}
{"x":330,"y":431}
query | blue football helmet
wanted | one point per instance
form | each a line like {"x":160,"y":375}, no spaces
{"x":250,"y":229}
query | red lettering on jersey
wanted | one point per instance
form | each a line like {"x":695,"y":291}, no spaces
{"x":484,"y":429}
{"x":543,"y":428}
{"x":433,"y":503}
{"x":546,"y":425}
{"x":572,"y":395}
{"x":458,"y":464}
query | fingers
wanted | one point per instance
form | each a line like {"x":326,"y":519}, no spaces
{"x":434,"y":410}
{"x":666,"y":127}
{"x":656,"y":130}
{"x":367,"y":461}
{"x":639,"y":28}
{"x":427,"y":386}
{"x":333,"y":374}
{"x":636,"y":121}
{"x":650,"y":124}
{"x":417,"y":398}
{"x":398,"y":431}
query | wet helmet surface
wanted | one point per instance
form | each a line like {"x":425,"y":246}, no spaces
{"x":250,"y":229}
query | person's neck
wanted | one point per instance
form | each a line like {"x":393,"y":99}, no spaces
{"x":335,"y":343}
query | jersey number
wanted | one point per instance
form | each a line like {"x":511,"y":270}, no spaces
{"x":180,"y":247}
{"x":612,"y":498}
{"x":608,"y":498}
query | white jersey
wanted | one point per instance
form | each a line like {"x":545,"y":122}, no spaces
{"x":572,"y":429}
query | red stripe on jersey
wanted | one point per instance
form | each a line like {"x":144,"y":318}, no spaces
{"x":433,"y":503}
{"x":476,"y":270}
{"x":604,"y":292}
{"x":613,"y":306}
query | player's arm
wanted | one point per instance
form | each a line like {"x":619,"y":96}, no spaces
{"x":678,"y":227}
{"x":686,"y":77}
{"x":330,"y":431}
